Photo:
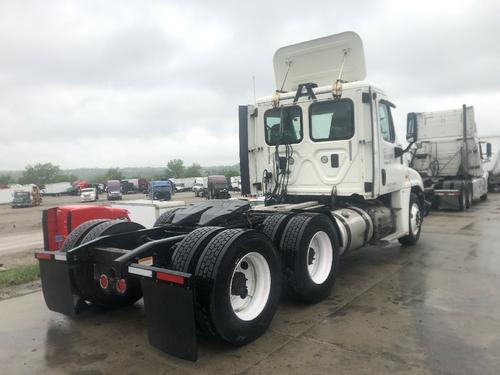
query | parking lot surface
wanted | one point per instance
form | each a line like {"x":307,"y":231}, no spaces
{"x":432,"y":308}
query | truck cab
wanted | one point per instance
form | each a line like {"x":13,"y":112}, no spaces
{"x":217,"y":188}
{"x":114,"y":190}
{"x":161,"y":190}
{"x":326,"y":135}
{"x":27,"y":198}
{"x":21,"y":199}
{"x":89,"y":195}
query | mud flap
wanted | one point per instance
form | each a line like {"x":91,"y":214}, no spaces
{"x":58,"y":289}
{"x":170,"y":316}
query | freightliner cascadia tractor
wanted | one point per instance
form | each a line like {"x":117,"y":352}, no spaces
{"x":322,"y":151}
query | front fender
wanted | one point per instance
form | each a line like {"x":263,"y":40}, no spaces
{"x":413,"y":179}
{"x":415,"y":182}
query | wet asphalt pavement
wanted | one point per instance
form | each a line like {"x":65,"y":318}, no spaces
{"x":433,"y":308}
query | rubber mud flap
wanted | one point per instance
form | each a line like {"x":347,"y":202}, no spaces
{"x":170,"y":318}
{"x":57,"y":288}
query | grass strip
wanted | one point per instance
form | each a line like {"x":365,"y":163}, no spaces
{"x":19,"y":275}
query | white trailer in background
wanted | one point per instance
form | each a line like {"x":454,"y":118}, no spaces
{"x":449,"y":156}
{"x":236,"y":183}
{"x":58,"y":188}
{"x":183,"y":184}
{"x":146,"y":212}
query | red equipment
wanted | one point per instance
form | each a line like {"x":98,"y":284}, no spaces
{"x":58,"y":222}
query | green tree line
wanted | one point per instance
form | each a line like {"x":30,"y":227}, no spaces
{"x":46,"y":173}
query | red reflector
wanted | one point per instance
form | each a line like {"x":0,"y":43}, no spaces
{"x":121,"y":286}
{"x":103,"y":281}
{"x":43,"y":256}
{"x":168,"y":277}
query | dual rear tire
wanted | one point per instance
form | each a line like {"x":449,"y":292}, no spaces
{"x":238,"y":278}
{"x":310,"y":252}
{"x":84,"y":278}
{"x":239,"y":272}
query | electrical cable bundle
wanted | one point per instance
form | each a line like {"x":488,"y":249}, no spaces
{"x":282,"y":175}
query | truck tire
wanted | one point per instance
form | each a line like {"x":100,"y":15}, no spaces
{"x":188,"y":251}
{"x":89,"y":287}
{"x":310,"y":253}
{"x":484,"y":196}
{"x":415,"y":218}
{"x":165,"y":218}
{"x":76,"y":235}
{"x":274,"y":225}
{"x":462,"y":198}
{"x":239,"y":284}
{"x":468,"y":201}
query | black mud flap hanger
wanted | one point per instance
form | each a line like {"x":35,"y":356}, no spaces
{"x":169,"y":305}
{"x":57,"y":287}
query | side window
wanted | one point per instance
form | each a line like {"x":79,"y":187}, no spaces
{"x":290,"y":132}
{"x":331,"y":120}
{"x":385,"y":122}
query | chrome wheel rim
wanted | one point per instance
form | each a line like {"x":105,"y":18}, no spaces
{"x":415,"y":218}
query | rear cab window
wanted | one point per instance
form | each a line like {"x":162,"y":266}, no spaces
{"x":291,"y":131}
{"x":332,"y":120}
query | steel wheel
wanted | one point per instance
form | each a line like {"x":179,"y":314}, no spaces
{"x":319,"y":257}
{"x":250,"y":286}
{"x":415,"y":218}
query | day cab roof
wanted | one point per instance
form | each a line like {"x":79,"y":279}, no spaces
{"x":161,"y":183}
{"x":320,"y":61}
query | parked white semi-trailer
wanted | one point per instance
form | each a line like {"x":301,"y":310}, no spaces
{"x":449,"y":156}
{"x":324,"y":152}
{"x":184,"y":184}
{"x":57,"y":188}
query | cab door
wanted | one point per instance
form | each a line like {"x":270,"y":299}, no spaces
{"x":391,"y":171}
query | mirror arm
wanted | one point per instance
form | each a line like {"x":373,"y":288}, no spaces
{"x":408,"y":148}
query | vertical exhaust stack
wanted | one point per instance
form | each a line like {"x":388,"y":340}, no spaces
{"x":244,"y":164}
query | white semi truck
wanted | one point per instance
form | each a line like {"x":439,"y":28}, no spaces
{"x":449,"y":156}
{"x":322,"y":150}
{"x":494,"y":173}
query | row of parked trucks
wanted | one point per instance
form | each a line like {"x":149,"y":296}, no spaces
{"x":323,"y":153}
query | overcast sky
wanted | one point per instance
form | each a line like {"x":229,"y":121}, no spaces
{"x":136,"y":83}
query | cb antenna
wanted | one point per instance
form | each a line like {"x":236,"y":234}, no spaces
{"x":254,"y":95}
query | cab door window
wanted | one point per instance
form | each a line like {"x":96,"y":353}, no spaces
{"x":385,"y":122}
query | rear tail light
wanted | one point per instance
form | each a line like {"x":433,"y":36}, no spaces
{"x":43,"y":256}
{"x":121,"y":286}
{"x":103,"y":281}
